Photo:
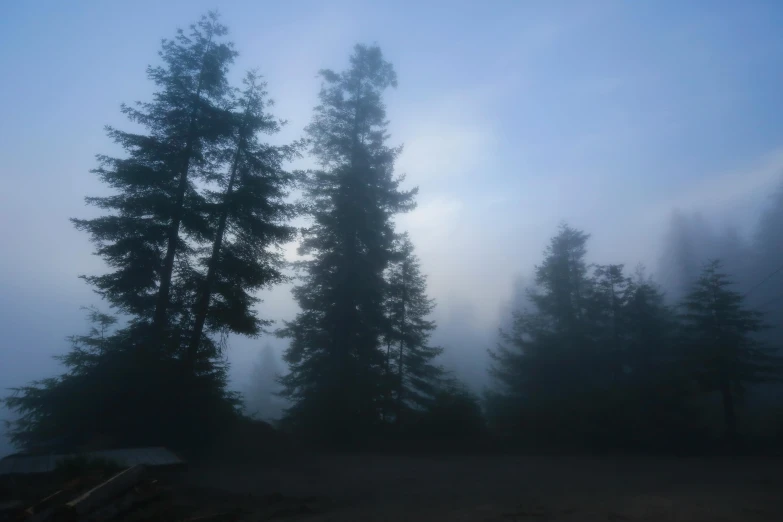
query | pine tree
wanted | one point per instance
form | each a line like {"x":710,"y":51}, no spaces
{"x":611,"y":291}
{"x":335,"y":356}
{"x":248,"y":217}
{"x":156,"y":212}
{"x":413,"y":378}
{"x":765,"y":289}
{"x":560,"y":327}
{"x":562,"y":280}
{"x":109,"y":391}
{"x":651,"y":398}
{"x":189,"y":236}
{"x":651,"y":326}
{"x":544,"y":365}
{"x":720,"y":335}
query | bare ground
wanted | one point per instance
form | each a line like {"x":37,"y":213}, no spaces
{"x":496,"y":488}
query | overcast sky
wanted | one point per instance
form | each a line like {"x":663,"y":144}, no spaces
{"x":515,"y":115}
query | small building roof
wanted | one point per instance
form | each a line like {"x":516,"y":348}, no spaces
{"x":152,"y":457}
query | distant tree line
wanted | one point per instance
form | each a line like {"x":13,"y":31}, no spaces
{"x":600,"y":359}
{"x":200,"y":205}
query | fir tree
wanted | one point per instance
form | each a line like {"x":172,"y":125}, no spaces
{"x":611,"y":291}
{"x":721,"y":343}
{"x":156,"y":210}
{"x":651,"y":327}
{"x":561,"y":301}
{"x":199,"y":175}
{"x":335,"y":356}
{"x":544,"y":364}
{"x":413,"y":378}
{"x":249,"y":215}
{"x":108,"y":390}
{"x":650,"y":400}
{"x":765,"y":292}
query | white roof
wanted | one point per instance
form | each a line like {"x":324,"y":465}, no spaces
{"x":24,"y":464}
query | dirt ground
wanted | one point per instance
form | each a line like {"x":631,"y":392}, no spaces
{"x":503,"y":488}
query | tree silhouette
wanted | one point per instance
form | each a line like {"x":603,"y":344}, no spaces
{"x":335,"y":356}
{"x":248,"y":218}
{"x":413,"y":377}
{"x":189,"y":235}
{"x":156,"y":209}
{"x":719,"y":335}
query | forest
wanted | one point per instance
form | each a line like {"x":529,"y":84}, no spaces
{"x":191,"y":227}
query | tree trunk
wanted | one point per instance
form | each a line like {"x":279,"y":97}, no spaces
{"x":202,"y":307}
{"x":164,"y":290}
{"x":399,"y":385}
{"x":105,"y":491}
{"x":387,"y":387}
{"x":402,"y":347}
{"x":171,"y":247}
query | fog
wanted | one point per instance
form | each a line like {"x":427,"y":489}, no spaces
{"x":657,"y":129}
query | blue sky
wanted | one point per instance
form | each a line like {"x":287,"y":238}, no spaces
{"x":515,"y":115}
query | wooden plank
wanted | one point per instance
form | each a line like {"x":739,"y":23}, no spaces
{"x":103,"y":493}
{"x":43,"y":509}
{"x":48,"y":502}
{"x":129,"y":501}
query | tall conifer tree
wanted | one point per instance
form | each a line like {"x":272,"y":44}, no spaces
{"x":413,"y":377}
{"x":721,"y":343}
{"x":156,"y":209}
{"x":249,"y":220}
{"x":189,"y":236}
{"x":335,"y":356}
{"x":542,"y":367}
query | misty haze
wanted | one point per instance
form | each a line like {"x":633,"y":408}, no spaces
{"x":393,"y":261}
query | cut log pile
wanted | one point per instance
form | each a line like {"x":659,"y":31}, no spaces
{"x":128,"y":496}
{"x":132,"y":495}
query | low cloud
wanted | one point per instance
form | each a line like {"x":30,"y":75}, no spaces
{"x":438,"y":150}
{"x":730,"y":191}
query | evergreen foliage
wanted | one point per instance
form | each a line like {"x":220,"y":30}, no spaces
{"x":720,"y":344}
{"x":114,"y":392}
{"x":249,"y":219}
{"x":156,"y":211}
{"x":413,"y":378}
{"x":191,"y":231}
{"x":600,"y":359}
{"x":335,"y":357}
